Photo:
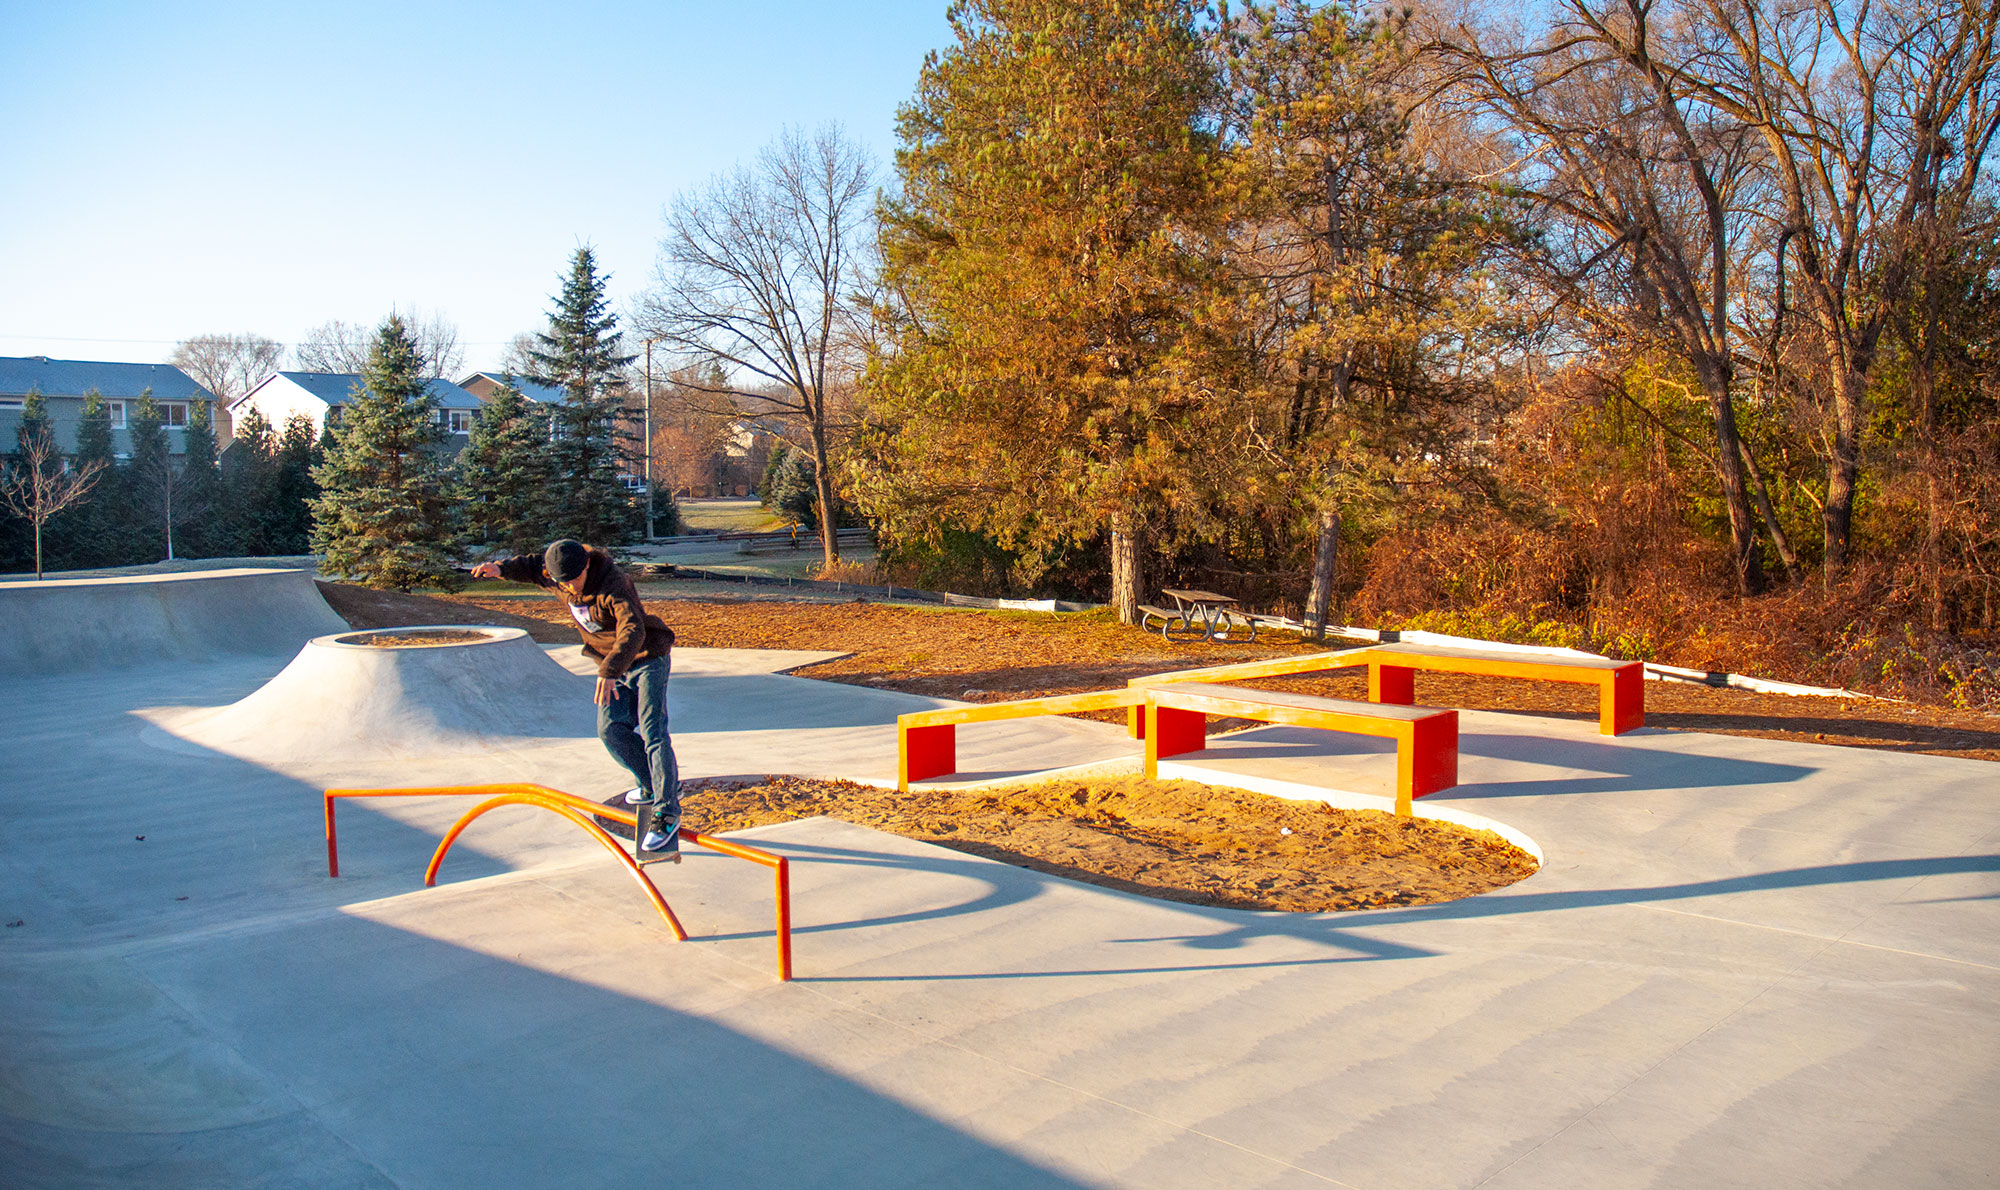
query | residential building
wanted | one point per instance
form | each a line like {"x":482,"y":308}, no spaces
{"x":64,"y":383}
{"x":321,"y":396}
{"x":484,"y":384}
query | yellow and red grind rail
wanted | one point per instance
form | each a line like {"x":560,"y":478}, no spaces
{"x":927,"y":741}
{"x":1176,"y":719}
{"x":1392,"y":672}
{"x":1426,"y":738}
{"x":580,"y":811}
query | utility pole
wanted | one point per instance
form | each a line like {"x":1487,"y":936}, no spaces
{"x":649,"y":439}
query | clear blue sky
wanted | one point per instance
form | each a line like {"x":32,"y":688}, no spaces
{"x":182,"y":168}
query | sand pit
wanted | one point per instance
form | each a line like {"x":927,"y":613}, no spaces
{"x":415,"y":638}
{"x":1177,"y":840}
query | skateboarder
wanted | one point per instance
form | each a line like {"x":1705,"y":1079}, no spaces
{"x":634,"y":652}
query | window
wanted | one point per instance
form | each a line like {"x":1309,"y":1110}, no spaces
{"x":459,"y":421}
{"x":117,"y":411}
{"x":12,"y":402}
{"x":173,"y":413}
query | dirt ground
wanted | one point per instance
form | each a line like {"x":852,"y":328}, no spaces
{"x":1174,"y":840}
{"x":983,"y":656}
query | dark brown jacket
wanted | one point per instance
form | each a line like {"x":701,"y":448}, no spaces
{"x":614,"y":624}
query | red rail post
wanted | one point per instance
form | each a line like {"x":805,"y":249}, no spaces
{"x":1171,"y":731}
{"x":1392,"y":684}
{"x":1426,"y":762}
{"x":925,"y":752}
{"x":1621,"y":702}
{"x":332,"y":840}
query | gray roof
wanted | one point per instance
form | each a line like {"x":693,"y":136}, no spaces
{"x":337,"y":388}
{"x":75,"y":377}
{"x":540,"y":393}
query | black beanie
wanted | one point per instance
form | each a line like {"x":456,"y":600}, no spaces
{"x":565,"y":559}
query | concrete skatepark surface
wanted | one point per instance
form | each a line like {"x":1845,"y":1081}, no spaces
{"x":1743,"y":963}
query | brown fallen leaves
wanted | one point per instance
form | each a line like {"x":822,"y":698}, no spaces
{"x":1177,"y":840}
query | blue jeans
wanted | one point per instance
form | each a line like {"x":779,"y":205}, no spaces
{"x":633,"y":726}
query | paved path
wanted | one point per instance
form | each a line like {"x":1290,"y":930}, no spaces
{"x":1744,"y":963}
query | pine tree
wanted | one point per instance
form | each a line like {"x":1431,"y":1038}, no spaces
{"x":580,"y":355}
{"x":200,"y":497}
{"x":249,"y":480}
{"x":504,"y":474}
{"x":790,"y":487}
{"x":155,"y":478}
{"x":292,"y":487}
{"x":382,"y":515}
{"x":17,"y":536}
{"x":89,"y":535}
{"x":34,"y":422}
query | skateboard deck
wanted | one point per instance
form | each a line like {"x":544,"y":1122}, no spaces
{"x":644,"y":811}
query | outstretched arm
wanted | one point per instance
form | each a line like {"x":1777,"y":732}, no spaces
{"x":521,"y":568}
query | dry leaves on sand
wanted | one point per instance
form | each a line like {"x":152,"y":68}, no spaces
{"x":1177,"y":840}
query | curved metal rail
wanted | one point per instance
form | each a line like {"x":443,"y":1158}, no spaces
{"x":595,"y":831}
{"x":580,"y":811}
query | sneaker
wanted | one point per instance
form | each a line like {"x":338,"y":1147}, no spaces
{"x":635,"y":795}
{"x":664,"y":841}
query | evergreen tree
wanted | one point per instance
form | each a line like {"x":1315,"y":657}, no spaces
{"x":204,"y":518}
{"x":504,"y":474}
{"x":580,"y":355}
{"x":34,"y":422}
{"x":292,"y":488}
{"x":17,"y":536}
{"x":249,"y":479}
{"x":90,"y":535}
{"x":155,"y":479}
{"x":382,"y":515}
{"x":790,"y":487}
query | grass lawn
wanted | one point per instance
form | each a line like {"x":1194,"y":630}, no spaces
{"x":728,"y":513}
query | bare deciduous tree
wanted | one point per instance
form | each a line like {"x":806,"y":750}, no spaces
{"x":752,"y":279}
{"x":519,"y":359}
{"x":1635,"y":167}
{"x":1789,"y":163}
{"x":1876,"y":122}
{"x":38,"y":485}
{"x":337,"y":346}
{"x":227,"y":365}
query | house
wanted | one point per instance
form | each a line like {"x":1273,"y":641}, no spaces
{"x":64,"y":383}
{"x":322,"y":395}
{"x":484,"y":384}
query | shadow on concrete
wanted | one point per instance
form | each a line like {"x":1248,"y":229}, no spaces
{"x":493,"y":1073}
{"x":1505,"y":903}
{"x":1612,"y":768}
{"x":111,"y":840}
{"x":1624,"y":768}
{"x":1006,"y":884}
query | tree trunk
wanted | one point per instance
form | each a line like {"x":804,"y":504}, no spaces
{"x":1319,"y":603}
{"x":1127,"y":577}
{"x":1842,"y":472}
{"x":1735,"y":482}
{"x":829,"y":531}
{"x":1780,"y":540}
{"x":38,"y":549}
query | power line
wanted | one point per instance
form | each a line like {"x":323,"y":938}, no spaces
{"x":173,"y":342}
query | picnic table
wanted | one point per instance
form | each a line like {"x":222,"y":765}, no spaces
{"x":1207,"y":608}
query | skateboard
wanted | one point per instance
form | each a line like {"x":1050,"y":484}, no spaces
{"x":644,"y":811}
